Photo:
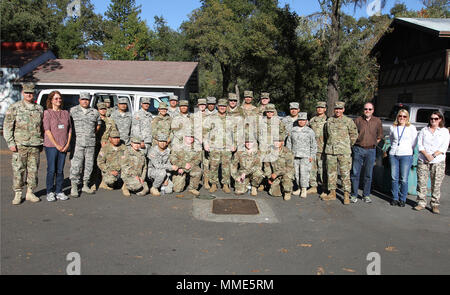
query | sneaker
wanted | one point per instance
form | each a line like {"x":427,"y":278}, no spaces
{"x":353,"y":199}
{"x":51,"y":197}
{"x":367,"y":200}
{"x":62,"y":196}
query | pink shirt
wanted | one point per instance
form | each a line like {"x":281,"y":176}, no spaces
{"x":59,"y":124}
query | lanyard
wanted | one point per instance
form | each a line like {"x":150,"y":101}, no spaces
{"x":400,"y":136}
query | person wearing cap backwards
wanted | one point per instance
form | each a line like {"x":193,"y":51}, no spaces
{"x":247,"y":167}
{"x":264,"y":101}
{"x":142,"y":124}
{"x":290,"y":120}
{"x":188,"y":162}
{"x":173,"y":106}
{"x":159,"y":166}
{"x":161,"y":123}
{"x":22,"y":130}
{"x":180,"y":123}
{"x":122,"y":118}
{"x":86,"y":122}
{"x":302,"y":143}
{"x":108,"y":160}
{"x":317,"y":124}
{"x":211,"y":102}
{"x":219,"y":141}
{"x":341,"y":134}
{"x":133,"y":167}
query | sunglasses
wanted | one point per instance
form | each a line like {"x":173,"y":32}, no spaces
{"x":368,"y":109}
{"x":434,"y":119}
{"x":402,"y":116}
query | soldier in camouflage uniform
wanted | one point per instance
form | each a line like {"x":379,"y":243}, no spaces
{"x":247,"y":108}
{"x":173,"y":109}
{"x":133,"y":167}
{"x":142,"y":124}
{"x":211,"y":102}
{"x":289,"y":121}
{"x":199,"y":118}
{"x":246,"y":167}
{"x":219,"y":143}
{"x":188,"y":162}
{"x":86,"y":122}
{"x":161,"y":124}
{"x":108,"y":160}
{"x":317,"y":124}
{"x":23,"y":132}
{"x":302,"y":143}
{"x":265,"y":100}
{"x":181,"y":123}
{"x":340,"y":134}
{"x":159,"y":166}
{"x":280,"y":169}
{"x":123,"y":119}
{"x":250,"y":115}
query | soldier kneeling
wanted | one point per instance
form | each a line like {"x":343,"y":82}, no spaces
{"x":108,"y":160}
{"x":159,"y":165}
{"x":134,"y":169}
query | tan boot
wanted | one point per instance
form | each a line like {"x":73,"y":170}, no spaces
{"x":287,"y":196}
{"x":31,"y":197}
{"x":304,"y":193}
{"x":296,"y":193}
{"x":226,"y":189}
{"x":74,"y":191}
{"x":346,"y":198}
{"x":206,"y":183}
{"x":94,"y":187}
{"x":194,"y":192}
{"x":254,"y":191}
{"x":17,"y":198}
{"x":435,"y":209}
{"x":213,"y":188}
{"x":312,"y":190}
{"x":103,"y":185}
{"x":261,"y":188}
{"x":154,"y":192}
{"x":125,"y":191}
{"x":331,"y":196}
{"x":87,"y":190}
{"x":144,"y":190}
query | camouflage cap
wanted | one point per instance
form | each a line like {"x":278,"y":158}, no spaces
{"x":303,"y":116}
{"x":270,"y":108}
{"x":107,"y":100}
{"x":161,"y":137}
{"x":339,"y":105}
{"x":232,"y":96}
{"x":85,"y":95}
{"x":248,"y":93}
{"x":136,"y":139}
{"x":122,"y":100}
{"x":162,"y":105}
{"x":250,"y":139}
{"x":294,"y":105}
{"x":211,"y":100}
{"x":277,"y":139}
{"x":201,"y":101}
{"x":173,"y":97}
{"x":28,"y":88}
{"x":146,"y":99}
{"x":183,"y":103}
{"x":223,"y":102}
{"x":114,"y":133}
{"x":321,"y":104}
{"x":101,"y":105}
{"x":265,"y":95}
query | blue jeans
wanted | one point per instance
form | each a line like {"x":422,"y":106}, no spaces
{"x":400,"y":167}
{"x":55,"y":165}
{"x":363,"y":160}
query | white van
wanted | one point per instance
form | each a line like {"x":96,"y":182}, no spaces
{"x":71,"y":96}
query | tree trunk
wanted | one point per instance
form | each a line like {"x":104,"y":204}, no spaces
{"x":226,"y":78}
{"x":333,"y":56}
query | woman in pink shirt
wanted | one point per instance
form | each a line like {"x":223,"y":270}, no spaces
{"x":58,"y":133}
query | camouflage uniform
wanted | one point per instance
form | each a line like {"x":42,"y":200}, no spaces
{"x":248,"y":163}
{"x":262,"y":108}
{"x":133,"y":163}
{"x":180,"y":158}
{"x":281,"y":162}
{"x":108,"y":160}
{"x":142,"y":127}
{"x":123,"y":122}
{"x":106,"y":128}
{"x":22,"y":128}
{"x":159,"y":166}
{"x":317,"y":125}
{"x":178,"y":127}
{"x":161,"y":124}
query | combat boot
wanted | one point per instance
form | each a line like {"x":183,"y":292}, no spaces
{"x":346,"y":198}
{"x":304,"y":193}
{"x":87,"y":190}
{"x":31,"y":197}
{"x":287,"y":196}
{"x":93,"y":187}
{"x":296,"y":193}
{"x":154,"y":191}
{"x":254,"y":191}
{"x":194,"y":192}
{"x":74,"y":191}
{"x":144,"y":190}
{"x":261,"y":188}
{"x":331,"y":196}
{"x":125,"y":191}
{"x":17,"y":198}
{"x":206,"y":183}
{"x":103,"y":185}
{"x":312,"y":190}
{"x":226,"y":189}
{"x":213,"y":188}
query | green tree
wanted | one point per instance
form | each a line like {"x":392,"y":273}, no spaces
{"x":168,"y":45}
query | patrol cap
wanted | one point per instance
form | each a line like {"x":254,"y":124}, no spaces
{"x":270,"y":108}
{"x":250,"y":139}
{"x":84,"y":95}
{"x":248,"y":93}
{"x":162,"y":105}
{"x":201,"y":101}
{"x":101,"y":105}
{"x":106,"y":100}
{"x":265,"y":95}
{"x":339,"y":105}
{"x":183,"y":103}
{"x":211,"y":100}
{"x":321,"y":104}
{"x":232,"y":96}
{"x":114,"y":133}
{"x":28,"y":88}
{"x":136,"y":139}
{"x":294,"y":105}
{"x":145,"y":99}
{"x":277,"y":139}
{"x":223,"y":102}
{"x":161,"y":137}
{"x":122,"y":100}
{"x":173,"y":97}
{"x":302,"y":116}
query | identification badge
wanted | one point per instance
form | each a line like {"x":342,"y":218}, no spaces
{"x":61,"y":126}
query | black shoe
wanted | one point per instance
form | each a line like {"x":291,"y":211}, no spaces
{"x":394,"y":203}
{"x":401,"y":204}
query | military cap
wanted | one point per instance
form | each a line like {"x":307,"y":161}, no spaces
{"x":294,"y":105}
{"x":173,"y":97}
{"x":114,"y":133}
{"x":161,"y":137}
{"x":201,"y":101}
{"x":232,"y":96}
{"x":162,"y":105}
{"x":248,"y":93}
{"x":145,"y":99}
{"x":265,"y":95}
{"x":28,"y":88}
{"x":277,"y":139}
{"x":303,"y":116}
{"x":184,"y":103}
{"x":270,"y":108}
{"x":339,"y":105}
{"x":250,"y":139}
{"x":101,"y":105}
{"x":321,"y":104}
{"x":122,"y":100}
{"x":106,"y":100}
{"x":211,"y":100}
{"x":136,"y":139}
{"x":222,"y":102}
{"x":84,"y":95}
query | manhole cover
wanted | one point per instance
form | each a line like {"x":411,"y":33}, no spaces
{"x":232,"y":206}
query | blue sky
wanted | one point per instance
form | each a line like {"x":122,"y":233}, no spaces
{"x":177,"y":11}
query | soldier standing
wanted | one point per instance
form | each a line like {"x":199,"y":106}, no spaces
{"x":109,"y":109}
{"x":23,"y":133}
{"x":340,"y":135}
{"x":122,"y":118}
{"x":248,"y":109}
{"x":179,"y":126}
{"x":108,"y":160}
{"x":302,"y":143}
{"x":173,"y":110}
{"x":142,"y":124}
{"x":133,"y":167}
{"x":86,"y":122}
{"x":317,"y":124}
{"x":265,"y":99}
{"x":289,"y":121}
{"x":211,"y":102}
{"x":161,"y":123}
{"x":199,"y":118}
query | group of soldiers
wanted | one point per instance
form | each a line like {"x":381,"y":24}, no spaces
{"x":219,"y":145}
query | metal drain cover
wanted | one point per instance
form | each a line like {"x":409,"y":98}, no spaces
{"x":235,"y":206}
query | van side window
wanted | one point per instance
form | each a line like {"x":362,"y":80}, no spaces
{"x":69,"y":101}
{"x":447,"y":118}
{"x":423,"y":115}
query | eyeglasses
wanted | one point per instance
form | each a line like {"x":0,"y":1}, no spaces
{"x":402,"y":116}
{"x":434,"y":119}
{"x":57,"y":98}
{"x":368,"y":109}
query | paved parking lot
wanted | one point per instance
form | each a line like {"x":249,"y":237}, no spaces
{"x":167,"y":235}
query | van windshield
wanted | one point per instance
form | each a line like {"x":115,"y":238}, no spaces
{"x":69,"y":100}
